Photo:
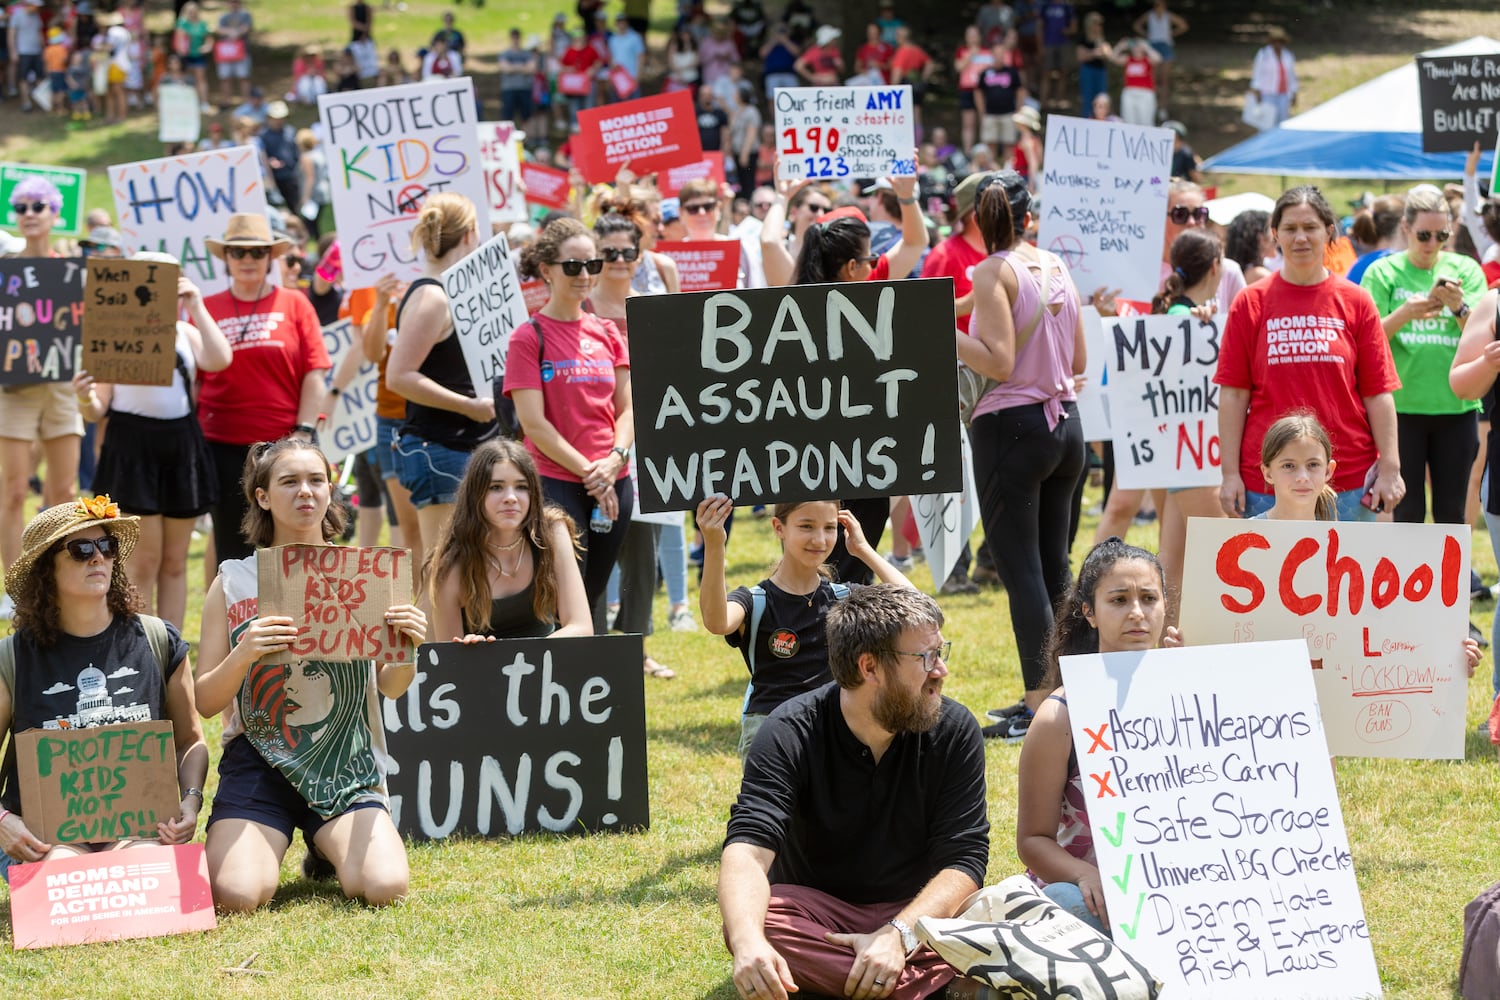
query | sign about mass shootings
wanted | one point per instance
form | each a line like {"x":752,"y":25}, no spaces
{"x":487,"y":304}
{"x":1459,"y":95}
{"x":826,"y":133}
{"x":779,"y":394}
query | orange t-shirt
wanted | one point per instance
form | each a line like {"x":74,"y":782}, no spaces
{"x":55,"y":58}
{"x":387,"y":403}
{"x":1339,"y":256}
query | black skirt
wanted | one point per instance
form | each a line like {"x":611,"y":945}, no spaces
{"x":151,"y":466}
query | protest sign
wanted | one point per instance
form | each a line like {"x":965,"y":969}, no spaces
{"x":145,"y":892}
{"x":535,"y":294}
{"x":545,"y":186}
{"x":388,"y":149}
{"x":100,"y":783}
{"x":502,"y":170}
{"x":1164,"y":401}
{"x":338,"y":595}
{"x":41,"y":319}
{"x":1093,"y":395}
{"x":1220,"y":842}
{"x":704,"y":266}
{"x":350,"y":429}
{"x":828,"y":133}
{"x":520,"y":736}
{"x":173,"y":204}
{"x":69,"y":182}
{"x":1105,"y":213}
{"x":782,"y":394}
{"x":130,"y":321}
{"x":648,"y":134}
{"x":671,"y":180}
{"x":179,"y":118}
{"x":484,"y":297}
{"x":1383,"y":609}
{"x":1495,"y":166}
{"x":1459,"y":95}
{"x":946,"y":520}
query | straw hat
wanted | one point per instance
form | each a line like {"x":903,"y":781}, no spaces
{"x":1028,"y":116}
{"x":247,"y":229}
{"x":58,"y":522}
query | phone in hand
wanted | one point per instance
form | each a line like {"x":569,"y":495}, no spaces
{"x":1372,"y":502}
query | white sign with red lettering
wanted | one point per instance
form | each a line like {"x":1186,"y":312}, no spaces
{"x":832,"y":133}
{"x":502,"y":170}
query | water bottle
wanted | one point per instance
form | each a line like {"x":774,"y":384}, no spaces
{"x":599,"y":522}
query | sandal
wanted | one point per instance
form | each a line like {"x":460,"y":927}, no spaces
{"x":653,"y":669}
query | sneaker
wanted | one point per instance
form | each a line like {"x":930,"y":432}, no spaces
{"x":316,"y":868}
{"x":958,"y":583}
{"x":1478,"y":636}
{"x":1011,"y":730}
{"x":986,"y":576}
{"x":1001,"y":714}
{"x":695,"y":556}
{"x":681,"y":620}
{"x":903,"y":563}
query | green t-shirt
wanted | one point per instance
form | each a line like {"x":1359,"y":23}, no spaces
{"x":1423,"y":349}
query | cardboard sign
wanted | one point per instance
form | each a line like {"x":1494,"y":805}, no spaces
{"x":671,"y":180}
{"x":782,"y":394}
{"x":1460,"y":96}
{"x":350,"y":429}
{"x":484,"y":296}
{"x":1161,"y":389}
{"x":1218,"y":833}
{"x":545,"y":186}
{"x":338,"y":595}
{"x":946,"y":520}
{"x":1383,"y":609}
{"x":172,"y":205}
{"x":1105,"y":213}
{"x":41,"y":319}
{"x":1093,"y":395}
{"x":101,"y":783}
{"x":144,"y":892}
{"x":649,"y":134}
{"x":130,"y":321}
{"x":520,"y":736}
{"x":388,"y":149}
{"x":178,"y":115}
{"x":69,"y":182}
{"x":704,"y":266}
{"x":830,"y":133}
{"x":498,"y":142}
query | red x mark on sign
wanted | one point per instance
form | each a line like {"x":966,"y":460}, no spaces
{"x":1103,"y":781}
{"x":1098,"y":738}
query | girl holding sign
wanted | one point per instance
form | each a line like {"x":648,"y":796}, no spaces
{"x":303,"y":744}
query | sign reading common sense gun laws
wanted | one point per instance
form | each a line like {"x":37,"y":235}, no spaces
{"x":388,"y":149}
{"x":338,"y":596}
{"x":130,"y":321}
{"x":781,"y":394}
{"x":486,"y":301}
{"x":1217,"y":829}
{"x":827,"y":133}
{"x":1383,"y":609}
{"x":41,"y":319}
{"x":520,"y":736}
{"x":100,"y":783}
{"x":1460,"y":96}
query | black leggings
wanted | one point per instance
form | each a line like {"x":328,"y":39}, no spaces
{"x":229,"y":465}
{"x":1027,"y":477}
{"x":1444,"y":447}
{"x":600,"y":550}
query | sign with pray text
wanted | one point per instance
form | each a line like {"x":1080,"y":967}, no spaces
{"x":485,"y":300}
{"x":498,"y":144}
{"x":1105,"y":213}
{"x":520,"y":736}
{"x":647,"y":134}
{"x":1383,"y":609}
{"x":69,"y":182}
{"x":1164,"y":402}
{"x":1459,"y":96}
{"x":704,"y":266}
{"x":338,"y":596}
{"x":1221,"y":845}
{"x":179,"y":116}
{"x":41,"y":319}
{"x":946,"y":520}
{"x":783,"y":394}
{"x":388,"y":149}
{"x":130,"y":321}
{"x":831,"y":133}
{"x":350,"y":429}
{"x":99,"y":783}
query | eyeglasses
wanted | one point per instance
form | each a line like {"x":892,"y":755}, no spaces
{"x":1180,"y":214}
{"x":1424,"y":235}
{"x":83,"y":549}
{"x":929,"y":657}
{"x":613,"y":254}
{"x":699,"y":208}
{"x":34,"y":207}
{"x":254,"y":253}
{"x":573,"y":268}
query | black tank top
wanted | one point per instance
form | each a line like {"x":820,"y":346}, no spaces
{"x":445,"y":365}
{"x":512,"y":617}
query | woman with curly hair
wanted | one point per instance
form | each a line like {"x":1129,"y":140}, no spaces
{"x":1248,"y":242}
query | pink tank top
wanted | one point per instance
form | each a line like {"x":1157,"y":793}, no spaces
{"x":1043,"y":371}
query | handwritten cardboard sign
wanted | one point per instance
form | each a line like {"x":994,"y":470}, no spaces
{"x":783,"y":394}
{"x":711,"y":167}
{"x":1105,"y":213}
{"x":545,"y":186}
{"x":69,"y":182}
{"x":520,"y":736}
{"x":338,"y":595}
{"x":704,"y":266}
{"x":101,"y":783}
{"x":648,"y":134}
{"x":41,"y":319}
{"x":130,"y":321}
{"x":1382,"y":608}
{"x":1165,"y":403}
{"x":498,"y":142}
{"x":140,"y":893}
{"x":946,"y":520}
{"x":179,"y":116}
{"x":1459,"y":96}
{"x":485,"y":299}
{"x":1218,"y":833}
{"x":351,"y":426}
{"x":830,"y":133}
{"x":172,"y":205}
{"x":388,"y":149}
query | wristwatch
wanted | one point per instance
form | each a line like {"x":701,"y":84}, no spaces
{"x":194,"y":793}
{"x":624,"y":454}
{"x":1463,"y":311}
{"x":909,"y":940}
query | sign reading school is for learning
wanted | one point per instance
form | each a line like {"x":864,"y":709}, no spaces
{"x":833,"y":132}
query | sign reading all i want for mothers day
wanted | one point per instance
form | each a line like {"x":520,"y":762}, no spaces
{"x":1382,"y":608}
{"x":1220,"y":842}
{"x":486,"y":301}
{"x":338,"y":596}
{"x":827,"y":133}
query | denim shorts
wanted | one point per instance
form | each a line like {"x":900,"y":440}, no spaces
{"x":383,"y":456}
{"x":429,"y":471}
{"x":253,"y":790}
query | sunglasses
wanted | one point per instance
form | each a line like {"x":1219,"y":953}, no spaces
{"x":613,"y":254}
{"x":34,"y":207}
{"x":699,"y":208}
{"x":254,"y":253}
{"x":1424,"y":235}
{"x":818,"y":209}
{"x":83,"y":549}
{"x":1180,"y":214}
{"x":573,"y":268}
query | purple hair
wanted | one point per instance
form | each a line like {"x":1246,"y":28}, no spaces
{"x":36,"y":188}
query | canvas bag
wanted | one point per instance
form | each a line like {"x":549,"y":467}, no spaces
{"x":1479,"y":963}
{"x":973,"y":386}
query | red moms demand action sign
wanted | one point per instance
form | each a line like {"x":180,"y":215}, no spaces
{"x":706,"y":266}
{"x":648,"y":134}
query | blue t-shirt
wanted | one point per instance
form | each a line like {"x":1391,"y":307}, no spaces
{"x":1056,"y":19}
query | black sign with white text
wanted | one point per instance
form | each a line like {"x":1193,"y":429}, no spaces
{"x":1460,"y":97}
{"x":41,"y":319}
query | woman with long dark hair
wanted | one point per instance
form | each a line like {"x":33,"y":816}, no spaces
{"x":1248,"y":242}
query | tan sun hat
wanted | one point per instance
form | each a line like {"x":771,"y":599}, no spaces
{"x":58,"y":522}
{"x":247,"y":229}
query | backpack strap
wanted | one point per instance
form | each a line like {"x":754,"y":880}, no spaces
{"x":156,"y":635}
{"x":757,"y":612}
{"x":840,"y":591}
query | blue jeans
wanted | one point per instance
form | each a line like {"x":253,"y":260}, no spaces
{"x":1092,"y":81}
{"x":1068,"y":896}
{"x":1350,"y":509}
{"x":671,"y":552}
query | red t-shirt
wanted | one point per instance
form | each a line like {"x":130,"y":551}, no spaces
{"x":954,"y":258}
{"x":878,"y":55}
{"x":1138,"y":74}
{"x":581,"y":60}
{"x":909,"y":59}
{"x":276,"y":341}
{"x":1318,"y":347}
{"x":577,"y":380}
{"x":1491,"y":273}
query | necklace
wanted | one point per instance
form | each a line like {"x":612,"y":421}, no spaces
{"x":499,"y":564}
{"x":511,"y":547}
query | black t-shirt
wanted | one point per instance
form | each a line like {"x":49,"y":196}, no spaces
{"x":79,"y":683}
{"x":999,"y":84}
{"x":361,"y":11}
{"x":1184,"y":162}
{"x":791,"y":651}
{"x":860,"y":831}
{"x":445,"y":365}
{"x":711,"y":124}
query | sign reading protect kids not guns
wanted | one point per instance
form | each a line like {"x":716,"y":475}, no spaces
{"x":1224,"y":860}
{"x":99,"y":783}
{"x":172,"y":205}
{"x":1382,"y":608}
{"x":647,"y":134}
{"x":338,"y":596}
{"x":41,"y":319}
{"x":827,"y":133}
{"x":388,"y":149}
